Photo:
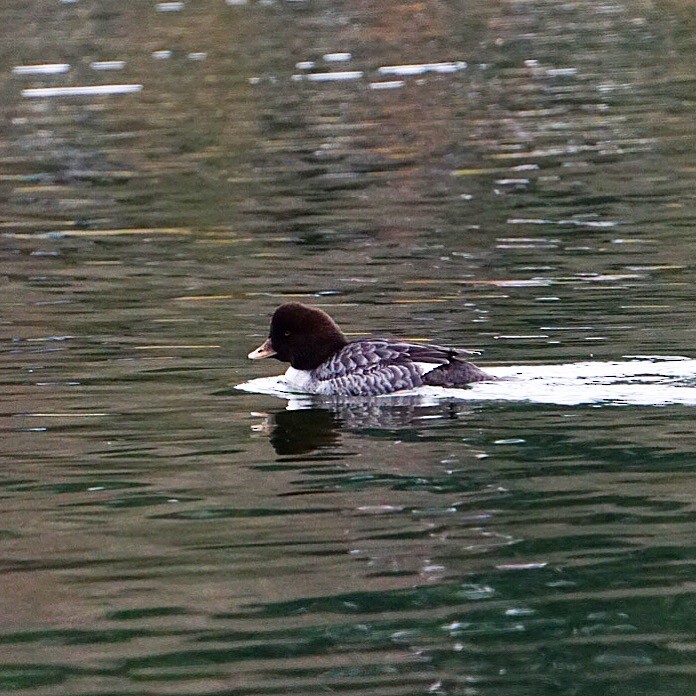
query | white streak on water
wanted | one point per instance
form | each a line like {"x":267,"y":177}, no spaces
{"x":85,"y":91}
{"x":170,"y":6}
{"x":389,"y":84}
{"x":108,"y":64}
{"x":577,"y":223}
{"x":561,"y":72}
{"x":421,"y":68}
{"x":41,"y":69}
{"x":337,"y":57}
{"x":331,"y":76}
{"x":647,"y":381}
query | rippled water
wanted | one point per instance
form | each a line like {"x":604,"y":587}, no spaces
{"x":513,"y":177}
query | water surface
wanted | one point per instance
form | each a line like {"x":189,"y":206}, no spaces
{"x":516,"y":178}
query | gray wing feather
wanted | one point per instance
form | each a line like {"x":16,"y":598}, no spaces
{"x":368,"y":367}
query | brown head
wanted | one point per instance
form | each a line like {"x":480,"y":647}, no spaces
{"x":301,"y":335}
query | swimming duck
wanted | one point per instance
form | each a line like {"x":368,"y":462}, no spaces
{"x":323,"y":361}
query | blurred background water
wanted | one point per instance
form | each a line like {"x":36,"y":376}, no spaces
{"x":516,"y":177}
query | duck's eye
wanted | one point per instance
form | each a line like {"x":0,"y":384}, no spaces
{"x":286,"y":333}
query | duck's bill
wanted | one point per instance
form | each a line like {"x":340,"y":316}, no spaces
{"x":265,"y":350}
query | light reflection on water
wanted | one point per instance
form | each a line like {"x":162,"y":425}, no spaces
{"x":515,"y":178}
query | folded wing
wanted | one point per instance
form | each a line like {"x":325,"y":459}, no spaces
{"x":370,"y":367}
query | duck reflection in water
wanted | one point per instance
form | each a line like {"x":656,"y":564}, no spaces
{"x":305,"y":427}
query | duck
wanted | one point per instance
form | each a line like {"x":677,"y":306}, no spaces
{"x":323,"y":361}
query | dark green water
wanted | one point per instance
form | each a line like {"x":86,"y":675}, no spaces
{"x":163,"y":533}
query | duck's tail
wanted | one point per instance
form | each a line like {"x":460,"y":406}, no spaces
{"x":456,"y":373}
